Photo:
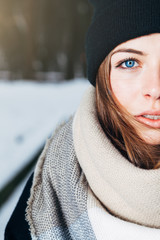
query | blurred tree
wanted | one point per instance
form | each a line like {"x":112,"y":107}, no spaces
{"x":44,"y":35}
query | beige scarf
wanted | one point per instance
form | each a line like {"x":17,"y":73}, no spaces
{"x":128,"y":192}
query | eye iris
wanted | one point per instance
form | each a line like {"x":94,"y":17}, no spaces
{"x":129,"y":63}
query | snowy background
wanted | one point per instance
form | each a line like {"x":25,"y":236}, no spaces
{"x":30,"y":112}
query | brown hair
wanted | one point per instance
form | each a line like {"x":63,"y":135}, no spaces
{"x":118,"y":124}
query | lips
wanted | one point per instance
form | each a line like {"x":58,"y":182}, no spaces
{"x":150,"y":118}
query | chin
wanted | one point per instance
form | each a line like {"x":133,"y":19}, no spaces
{"x":151,"y":137}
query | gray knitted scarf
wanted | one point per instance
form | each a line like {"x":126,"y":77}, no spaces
{"x":57,"y":208}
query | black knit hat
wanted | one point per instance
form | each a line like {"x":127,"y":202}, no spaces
{"x":114,"y":22}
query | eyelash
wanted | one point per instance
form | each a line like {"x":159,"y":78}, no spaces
{"x":125,"y":60}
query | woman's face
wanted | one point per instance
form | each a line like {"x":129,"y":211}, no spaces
{"x":135,"y":82}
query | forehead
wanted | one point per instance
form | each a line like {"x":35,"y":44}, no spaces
{"x":151,"y":40}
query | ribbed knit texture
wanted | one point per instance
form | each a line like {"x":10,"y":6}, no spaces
{"x":127,"y":191}
{"x":114,"y":22}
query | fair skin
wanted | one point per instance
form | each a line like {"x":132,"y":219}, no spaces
{"x":135,"y":82}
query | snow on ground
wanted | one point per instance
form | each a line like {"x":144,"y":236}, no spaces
{"x":30,"y":112}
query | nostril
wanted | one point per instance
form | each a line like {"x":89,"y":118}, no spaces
{"x":153,"y":93}
{"x":147,"y":96}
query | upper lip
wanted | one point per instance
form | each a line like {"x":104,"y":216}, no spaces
{"x":150,"y":112}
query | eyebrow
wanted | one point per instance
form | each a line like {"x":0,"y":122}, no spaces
{"x":129,"y":50}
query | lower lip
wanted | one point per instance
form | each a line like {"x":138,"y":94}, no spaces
{"x":149,"y":122}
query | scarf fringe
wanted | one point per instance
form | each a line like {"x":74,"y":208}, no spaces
{"x":37,"y":180}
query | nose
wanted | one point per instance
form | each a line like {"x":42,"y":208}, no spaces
{"x":151,"y":86}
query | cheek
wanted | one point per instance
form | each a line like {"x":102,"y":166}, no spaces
{"x":124,"y":90}
{"x":121,"y":91}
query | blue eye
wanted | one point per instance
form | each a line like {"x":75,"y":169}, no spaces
{"x":129,"y":63}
